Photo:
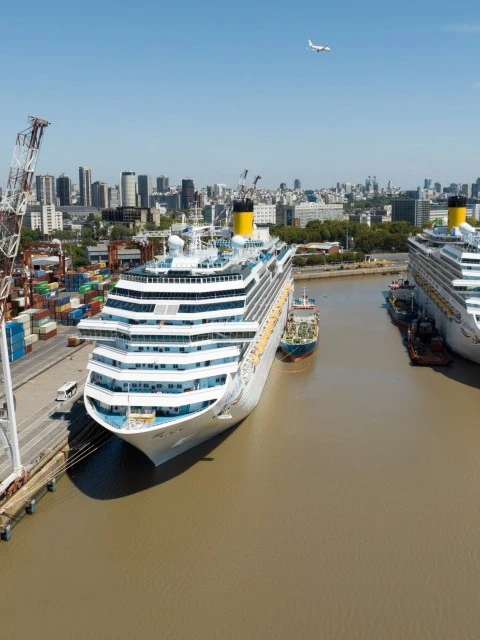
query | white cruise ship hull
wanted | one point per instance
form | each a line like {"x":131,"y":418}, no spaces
{"x":460,"y":333}
{"x":163,"y":442}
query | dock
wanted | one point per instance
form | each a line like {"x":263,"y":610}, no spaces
{"x":315,"y":273}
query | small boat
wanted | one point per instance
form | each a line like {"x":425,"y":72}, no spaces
{"x":425,"y":344}
{"x":301,"y":331}
{"x":402,"y":311}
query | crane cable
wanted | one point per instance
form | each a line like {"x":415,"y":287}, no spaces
{"x":83,"y":453}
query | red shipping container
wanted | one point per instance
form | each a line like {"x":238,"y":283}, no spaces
{"x":47,"y":336}
{"x":28,"y":348}
{"x":39,"y":315}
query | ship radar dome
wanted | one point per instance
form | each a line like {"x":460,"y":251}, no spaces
{"x":175,"y":245}
{"x":238,"y":242}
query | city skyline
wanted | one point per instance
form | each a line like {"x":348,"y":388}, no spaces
{"x":374,"y":104}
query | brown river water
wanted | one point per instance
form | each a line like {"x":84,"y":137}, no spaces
{"x":346,"y":506}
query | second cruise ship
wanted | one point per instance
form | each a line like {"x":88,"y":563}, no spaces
{"x":186,"y":341}
{"x":444,"y":263}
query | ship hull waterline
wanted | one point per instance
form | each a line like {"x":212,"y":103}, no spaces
{"x":461,"y":336}
{"x":297,"y":352}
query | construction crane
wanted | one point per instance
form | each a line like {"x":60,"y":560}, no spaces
{"x":12,"y":210}
{"x":241,"y":183}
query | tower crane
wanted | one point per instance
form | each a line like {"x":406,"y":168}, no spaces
{"x":241,"y":183}
{"x":12,"y":210}
{"x":257,"y":178}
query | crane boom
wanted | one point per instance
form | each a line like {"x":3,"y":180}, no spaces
{"x":12,"y":210}
{"x":14,"y":204}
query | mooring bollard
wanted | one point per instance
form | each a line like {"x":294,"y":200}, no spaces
{"x":31,"y":507}
{"x":6,"y":532}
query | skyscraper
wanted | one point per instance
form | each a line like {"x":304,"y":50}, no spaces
{"x":100,"y":195}
{"x":85,"y":183}
{"x":163,"y":184}
{"x":188,"y":193}
{"x":45,"y":184}
{"x":64,"y":189}
{"x":128,"y":186}
{"x":297,"y":184}
{"x":113,"y":197}
{"x":145,"y":190}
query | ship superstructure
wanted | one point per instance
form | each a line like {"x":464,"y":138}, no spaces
{"x":444,"y":263}
{"x":186,"y":342}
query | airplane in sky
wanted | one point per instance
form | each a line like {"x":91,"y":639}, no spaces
{"x":318,"y":47}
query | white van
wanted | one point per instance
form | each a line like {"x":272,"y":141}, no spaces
{"x":68,"y":390}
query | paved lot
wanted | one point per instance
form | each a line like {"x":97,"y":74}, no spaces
{"x":41,"y":421}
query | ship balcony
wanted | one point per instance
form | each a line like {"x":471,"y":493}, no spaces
{"x":161,"y":375}
{"x":169,"y":358}
{"x":152,"y":399}
{"x":93,"y":329}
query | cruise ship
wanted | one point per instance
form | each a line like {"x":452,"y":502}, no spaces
{"x":185,"y":342}
{"x":444,"y":263}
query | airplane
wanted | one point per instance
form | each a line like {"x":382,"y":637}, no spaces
{"x":318,"y":47}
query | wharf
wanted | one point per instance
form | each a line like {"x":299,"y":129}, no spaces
{"x":314,"y":273}
{"x":44,"y":425}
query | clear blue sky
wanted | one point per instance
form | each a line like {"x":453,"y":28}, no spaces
{"x":206,"y":89}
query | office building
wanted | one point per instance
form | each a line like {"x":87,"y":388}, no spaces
{"x":264,"y":213}
{"x":45,"y":218}
{"x":188,"y":193}
{"x":417,"y":212}
{"x":144,"y":190}
{"x":215,"y":213}
{"x":163,"y":184}
{"x":100,"y":195}
{"x":297,"y":215}
{"x":64,"y":190}
{"x":45,"y":185}
{"x":173,"y":200}
{"x":128,"y":189}
{"x":113,"y":197}
{"x":133,"y":217}
{"x":85,"y":185}
{"x":297,"y":184}
{"x":283,"y":186}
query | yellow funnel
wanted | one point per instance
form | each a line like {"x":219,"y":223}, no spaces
{"x":243,"y":217}
{"x":457,"y":211}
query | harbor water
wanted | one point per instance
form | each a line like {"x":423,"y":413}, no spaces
{"x":345,"y":507}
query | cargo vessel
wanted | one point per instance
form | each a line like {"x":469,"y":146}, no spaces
{"x":301,"y":331}
{"x":186,"y":342}
{"x":444,"y":264}
{"x":402,"y":310}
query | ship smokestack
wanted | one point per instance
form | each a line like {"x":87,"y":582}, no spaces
{"x":457,"y":211}
{"x":243,"y":217}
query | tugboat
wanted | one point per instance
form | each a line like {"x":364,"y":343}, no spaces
{"x":425,"y":344}
{"x":301,"y":331}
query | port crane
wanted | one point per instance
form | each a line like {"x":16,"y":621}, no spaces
{"x":12,"y":211}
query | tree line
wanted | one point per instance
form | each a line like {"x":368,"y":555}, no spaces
{"x":384,"y":236}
